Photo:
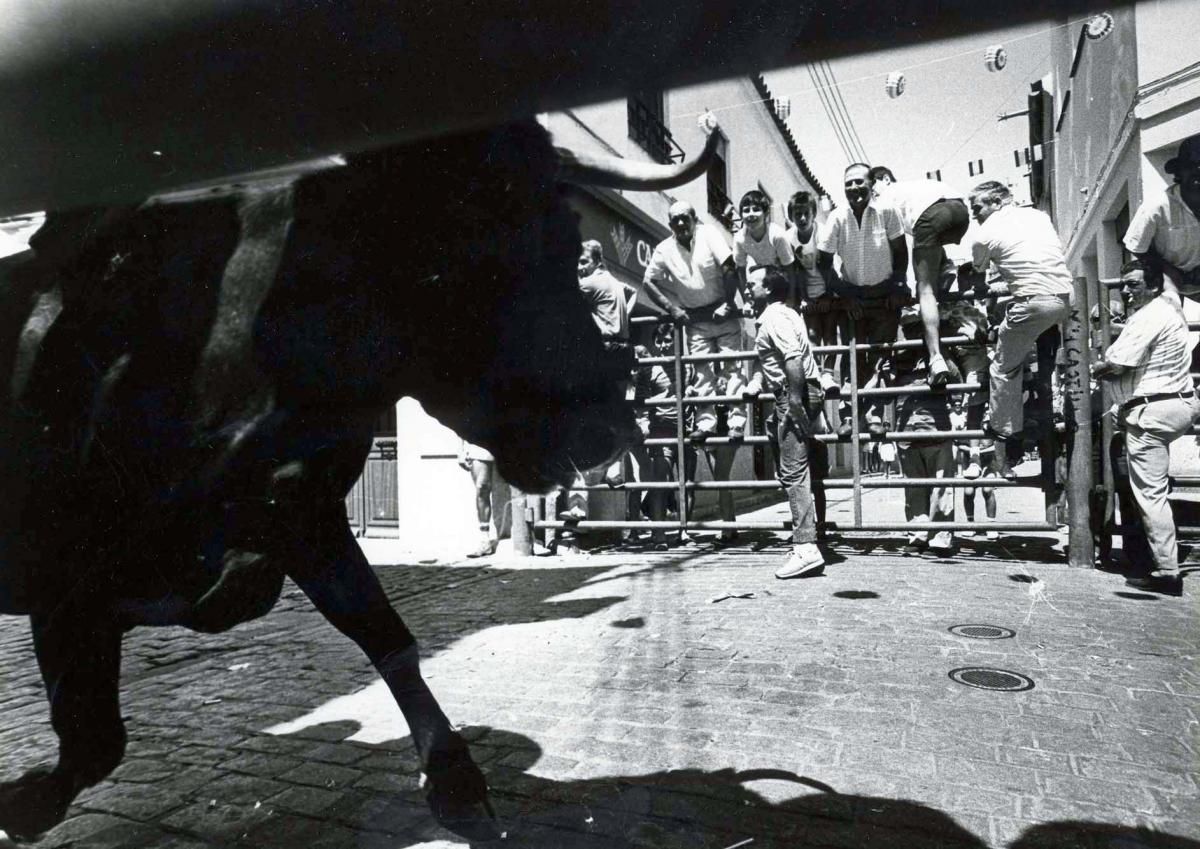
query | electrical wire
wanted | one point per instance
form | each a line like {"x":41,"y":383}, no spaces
{"x":817,"y":86}
{"x":847,"y":120}
{"x":842,"y":142}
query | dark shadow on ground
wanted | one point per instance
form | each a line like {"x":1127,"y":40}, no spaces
{"x":1091,"y":835}
{"x":856,"y":594}
{"x":699,"y":808}
{"x":1023,"y":578}
{"x":1137,"y":596}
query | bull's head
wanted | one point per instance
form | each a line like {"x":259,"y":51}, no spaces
{"x":497,"y":341}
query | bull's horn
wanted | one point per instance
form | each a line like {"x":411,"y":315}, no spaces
{"x":615,"y":172}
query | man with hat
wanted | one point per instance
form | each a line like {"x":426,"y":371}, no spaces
{"x":1165,"y":230}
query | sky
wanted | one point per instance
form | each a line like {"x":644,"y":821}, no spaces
{"x":945,"y":117}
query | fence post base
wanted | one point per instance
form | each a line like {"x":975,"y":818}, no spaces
{"x":1079,"y":389}
{"x":522,"y":531}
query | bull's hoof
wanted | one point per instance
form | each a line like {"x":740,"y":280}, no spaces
{"x":457,"y":795}
{"x":35,"y":802}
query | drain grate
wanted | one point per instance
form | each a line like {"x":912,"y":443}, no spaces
{"x":982,"y":632}
{"x":986,"y":678}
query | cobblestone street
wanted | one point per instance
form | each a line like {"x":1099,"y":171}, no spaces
{"x":619,"y":700}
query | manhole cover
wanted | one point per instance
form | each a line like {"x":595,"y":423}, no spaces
{"x":982,"y":632}
{"x":985,"y":678}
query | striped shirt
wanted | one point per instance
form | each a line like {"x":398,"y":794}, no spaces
{"x":864,"y":250}
{"x":1156,"y":348}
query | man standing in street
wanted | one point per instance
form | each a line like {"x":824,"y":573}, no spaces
{"x":1150,"y":364}
{"x":1024,"y":247}
{"x":692,"y":277}
{"x":788,"y":366}
{"x":934,"y":215}
{"x":607,"y":298}
{"x":869,"y":239}
{"x":1165,"y":230}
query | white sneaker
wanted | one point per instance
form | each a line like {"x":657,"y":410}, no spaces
{"x":992,"y":536}
{"x":806,"y":560}
{"x":972,"y":471}
{"x":942,"y":542}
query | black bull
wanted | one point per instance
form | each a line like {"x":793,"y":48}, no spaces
{"x":189,"y":391}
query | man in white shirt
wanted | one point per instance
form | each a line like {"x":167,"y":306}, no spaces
{"x":791,"y":373}
{"x":1151,"y":360}
{"x":1165,"y":230}
{"x":934,"y":215}
{"x":869,"y":240}
{"x":1023,"y":246}
{"x":692,"y":277}
{"x":610,"y":304}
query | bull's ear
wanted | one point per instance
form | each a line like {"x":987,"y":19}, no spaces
{"x":617,"y":173}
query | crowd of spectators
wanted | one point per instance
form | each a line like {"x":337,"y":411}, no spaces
{"x":808,"y":284}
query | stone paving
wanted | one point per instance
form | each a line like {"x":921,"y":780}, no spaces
{"x":614,"y":701}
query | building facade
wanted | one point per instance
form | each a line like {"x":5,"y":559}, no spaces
{"x":1114,"y":112}
{"x":434,"y":499}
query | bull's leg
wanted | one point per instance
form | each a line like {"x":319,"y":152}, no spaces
{"x":80,"y":665}
{"x":334,"y":574}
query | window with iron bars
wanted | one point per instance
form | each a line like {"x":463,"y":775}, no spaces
{"x":646,"y":128}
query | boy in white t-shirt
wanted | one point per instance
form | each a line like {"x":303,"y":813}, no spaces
{"x":760,"y":244}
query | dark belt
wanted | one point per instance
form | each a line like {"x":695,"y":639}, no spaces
{"x":1140,"y":400}
{"x":705,"y":311}
{"x":1040,"y":295}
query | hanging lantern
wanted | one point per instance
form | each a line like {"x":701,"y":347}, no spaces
{"x":995,"y":58}
{"x":783,"y":107}
{"x":895,"y":84}
{"x":1099,"y":26}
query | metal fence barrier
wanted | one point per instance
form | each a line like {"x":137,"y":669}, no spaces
{"x":1075,"y":345}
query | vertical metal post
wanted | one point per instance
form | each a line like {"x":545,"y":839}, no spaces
{"x":680,"y":458}
{"x":522,"y":530}
{"x":855,"y":436}
{"x":1048,"y":438}
{"x":1079,"y":385}
{"x":1108,"y":514}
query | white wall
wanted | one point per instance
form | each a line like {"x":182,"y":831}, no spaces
{"x":1167,"y":32}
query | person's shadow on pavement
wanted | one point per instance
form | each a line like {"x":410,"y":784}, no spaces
{"x":691,"y":807}
{"x":697,"y":808}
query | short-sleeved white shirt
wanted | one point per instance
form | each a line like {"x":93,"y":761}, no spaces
{"x":606,"y":296}
{"x":756,"y":256}
{"x":1023,"y":245}
{"x":806,"y":256}
{"x":863,"y":248}
{"x":693,"y":277}
{"x":910,"y":198}
{"x":1157,"y":348}
{"x":1165,"y":222}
